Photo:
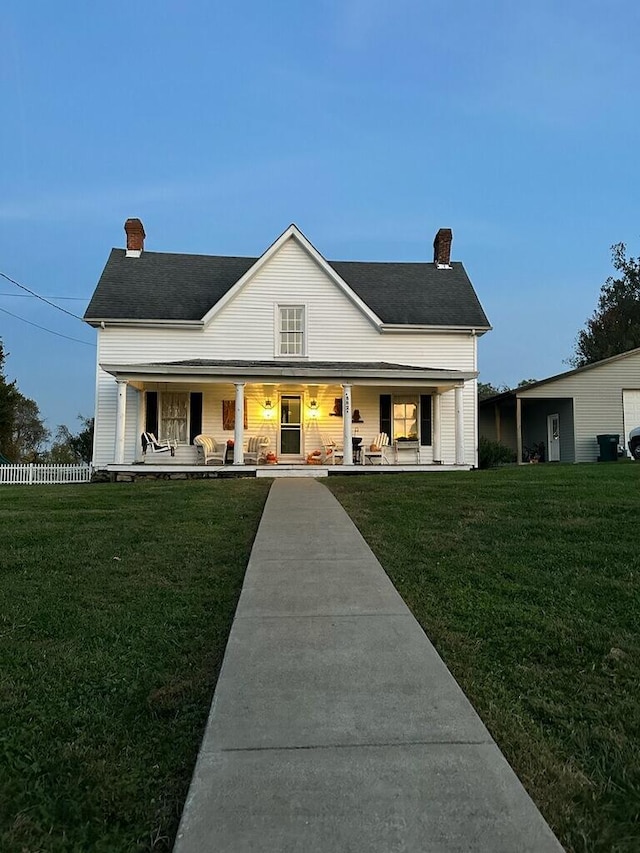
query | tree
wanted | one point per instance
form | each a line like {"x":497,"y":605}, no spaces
{"x":486,"y":390}
{"x":8,"y":397}
{"x":29,"y":432}
{"x":22,"y":431}
{"x":615,"y":324}
{"x":70,"y":447}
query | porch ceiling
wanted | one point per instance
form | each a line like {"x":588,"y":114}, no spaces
{"x":360,"y":372}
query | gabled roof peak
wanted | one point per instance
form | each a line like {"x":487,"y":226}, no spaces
{"x":170,"y":286}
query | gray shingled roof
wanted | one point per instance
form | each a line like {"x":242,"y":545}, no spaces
{"x":418,"y":294}
{"x":164,"y":286}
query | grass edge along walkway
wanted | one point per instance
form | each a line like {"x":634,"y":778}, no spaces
{"x":527,"y":582}
{"x":115,"y":607}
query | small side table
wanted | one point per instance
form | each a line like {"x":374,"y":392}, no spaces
{"x":356,"y":441}
{"x":406,"y":447}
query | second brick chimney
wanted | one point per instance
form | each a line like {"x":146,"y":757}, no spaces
{"x":135,"y":237}
{"x":442,"y":248}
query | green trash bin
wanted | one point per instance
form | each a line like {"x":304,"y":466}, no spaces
{"x":608,"y":447}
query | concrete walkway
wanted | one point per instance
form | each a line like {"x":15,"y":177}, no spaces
{"x":335,"y":726}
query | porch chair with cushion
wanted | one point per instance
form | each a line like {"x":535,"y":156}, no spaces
{"x":378,"y":450}
{"x":209,"y":450}
{"x":256,"y":449}
{"x":150,"y":444}
{"x":332,"y":450}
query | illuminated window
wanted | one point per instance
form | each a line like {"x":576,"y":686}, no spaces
{"x":405,"y":417}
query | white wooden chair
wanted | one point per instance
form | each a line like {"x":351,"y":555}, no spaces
{"x":256,"y":448}
{"x":150,"y":444}
{"x":331,"y":450}
{"x":381,"y":445}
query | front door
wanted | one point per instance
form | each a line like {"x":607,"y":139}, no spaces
{"x":290,"y":424}
{"x":553,"y":438}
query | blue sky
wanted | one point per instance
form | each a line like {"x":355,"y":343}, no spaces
{"x":368,"y":123}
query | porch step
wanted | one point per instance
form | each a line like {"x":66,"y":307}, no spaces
{"x":291,"y":471}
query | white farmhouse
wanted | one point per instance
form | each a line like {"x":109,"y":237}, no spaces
{"x":318,"y":358}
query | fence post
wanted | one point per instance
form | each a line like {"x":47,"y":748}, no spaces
{"x":31,"y":474}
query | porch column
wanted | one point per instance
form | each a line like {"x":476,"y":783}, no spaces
{"x":140,"y":424}
{"x":459,"y":426}
{"x":519,"y":429}
{"x":496,"y":413}
{"x":346,"y":425}
{"x":437,"y":429}
{"x":121,"y":418}
{"x":238,"y":432}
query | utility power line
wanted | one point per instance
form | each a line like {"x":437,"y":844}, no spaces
{"x":42,"y":298}
{"x":29,"y":296}
{"x":44,"y":328}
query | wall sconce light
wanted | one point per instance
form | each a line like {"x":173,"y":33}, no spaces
{"x":314,"y":412}
{"x":268,"y":409}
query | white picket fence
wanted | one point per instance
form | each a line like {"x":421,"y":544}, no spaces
{"x":37,"y":475}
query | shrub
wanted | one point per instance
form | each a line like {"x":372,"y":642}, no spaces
{"x":493,"y":453}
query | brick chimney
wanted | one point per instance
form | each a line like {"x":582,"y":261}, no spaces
{"x":135,"y":237}
{"x":442,"y":248}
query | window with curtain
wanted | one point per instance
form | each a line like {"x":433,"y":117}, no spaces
{"x":174,"y":416}
{"x":405,"y":417}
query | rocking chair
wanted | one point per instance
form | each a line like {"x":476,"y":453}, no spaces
{"x":151,"y":444}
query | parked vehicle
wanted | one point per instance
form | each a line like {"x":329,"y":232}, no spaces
{"x":634,"y":443}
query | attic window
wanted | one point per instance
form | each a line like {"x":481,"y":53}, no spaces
{"x":291,"y":330}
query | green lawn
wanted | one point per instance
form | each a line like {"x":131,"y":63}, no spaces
{"x":116,"y":601}
{"x":115,"y":606}
{"x":527,"y":580}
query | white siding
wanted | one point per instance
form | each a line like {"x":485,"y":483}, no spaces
{"x":246,"y":329}
{"x":597,"y":400}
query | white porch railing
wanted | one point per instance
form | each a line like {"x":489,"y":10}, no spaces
{"x":36,"y":475}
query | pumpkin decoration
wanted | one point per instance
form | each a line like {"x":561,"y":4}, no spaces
{"x":314,"y":458}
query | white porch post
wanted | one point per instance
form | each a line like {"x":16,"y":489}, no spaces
{"x":121,"y":418}
{"x":519,"y":429}
{"x":238,"y":433}
{"x":140,"y":425}
{"x":346,"y":424}
{"x":459,"y":426}
{"x":437,"y":430}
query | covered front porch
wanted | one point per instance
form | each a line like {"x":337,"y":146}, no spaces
{"x":267,"y":418}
